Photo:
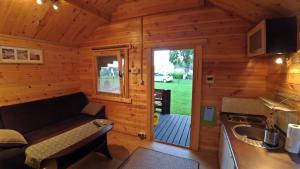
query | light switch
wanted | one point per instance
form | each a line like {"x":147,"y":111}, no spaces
{"x":135,"y":70}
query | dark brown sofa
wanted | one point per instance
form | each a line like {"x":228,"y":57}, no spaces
{"x":42,"y":119}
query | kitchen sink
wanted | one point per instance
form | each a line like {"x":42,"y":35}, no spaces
{"x":246,"y":119}
{"x":250,"y":130}
{"x":249,"y":134}
{"x":254,"y":133}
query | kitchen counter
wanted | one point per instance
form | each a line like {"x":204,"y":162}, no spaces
{"x":251,"y":157}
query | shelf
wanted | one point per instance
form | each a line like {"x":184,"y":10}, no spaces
{"x":277,"y":106}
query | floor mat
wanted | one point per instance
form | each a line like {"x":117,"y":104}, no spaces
{"x":144,"y":158}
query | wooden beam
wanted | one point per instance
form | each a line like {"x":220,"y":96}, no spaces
{"x":89,"y":8}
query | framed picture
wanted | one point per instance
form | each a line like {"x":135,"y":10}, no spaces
{"x":20,"y":55}
{"x":8,"y":54}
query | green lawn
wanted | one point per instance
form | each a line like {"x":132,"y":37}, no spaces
{"x":181,"y":95}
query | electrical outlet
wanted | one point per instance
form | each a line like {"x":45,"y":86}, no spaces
{"x":210,"y":79}
{"x":142,"y":135}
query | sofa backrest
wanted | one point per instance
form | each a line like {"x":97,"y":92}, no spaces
{"x":27,"y":117}
{"x":1,"y":123}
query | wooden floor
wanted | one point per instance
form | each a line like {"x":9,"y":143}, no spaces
{"x":173,"y":129}
{"x":122,"y":145}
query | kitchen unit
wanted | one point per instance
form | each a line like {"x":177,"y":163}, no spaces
{"x":226,"y":158}
{"x":239,"y":154}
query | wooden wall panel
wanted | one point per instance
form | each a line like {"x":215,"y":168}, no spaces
{"x":224,"y":57}
{"x":128,"y":118}
{"x":285,"y":80}
{"x":26,"y":82}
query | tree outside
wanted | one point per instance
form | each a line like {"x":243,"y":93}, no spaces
{"x":182,"y":59}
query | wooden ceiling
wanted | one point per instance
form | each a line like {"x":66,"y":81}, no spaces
{"x":256,"y":10}
{"x":70,"y":24}
{"x":77,"y":19}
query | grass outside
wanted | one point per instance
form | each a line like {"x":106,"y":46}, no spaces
{"x":181,"y":95}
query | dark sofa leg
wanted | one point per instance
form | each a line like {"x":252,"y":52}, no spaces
{"x":104,"y":148}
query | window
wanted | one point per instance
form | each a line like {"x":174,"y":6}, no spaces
{"x":112,"y":72}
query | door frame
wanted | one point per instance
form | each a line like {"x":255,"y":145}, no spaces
{"x":197,"y":87}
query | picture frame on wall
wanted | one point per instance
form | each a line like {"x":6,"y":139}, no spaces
{"x":20,"y":55}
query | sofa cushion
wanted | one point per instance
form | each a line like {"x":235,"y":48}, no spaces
{"x":92,"y":108}
{"x":11,"y":138}
{"x":58,"y":128}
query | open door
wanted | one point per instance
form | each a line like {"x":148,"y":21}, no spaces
{"x":176,"y":95}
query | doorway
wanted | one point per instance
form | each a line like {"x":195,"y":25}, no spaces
{"x":173,"y":93}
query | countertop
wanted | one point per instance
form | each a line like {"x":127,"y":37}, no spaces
{"x":251,"y":157}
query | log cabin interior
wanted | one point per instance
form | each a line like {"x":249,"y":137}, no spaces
{"x":77,"y":84}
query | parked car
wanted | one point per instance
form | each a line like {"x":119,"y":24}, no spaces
{"x":159,"y":77}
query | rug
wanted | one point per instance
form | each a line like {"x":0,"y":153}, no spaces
{"x":144,"y":158}
{"x":95,"y":160}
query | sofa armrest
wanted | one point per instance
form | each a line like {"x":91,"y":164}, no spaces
{"x":12,"y":158}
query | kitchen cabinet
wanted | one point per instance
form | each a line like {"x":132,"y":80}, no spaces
{"x":226,"y":158}
{"x":273,"y":36}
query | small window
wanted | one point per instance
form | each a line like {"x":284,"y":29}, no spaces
{"x":112,"y":72}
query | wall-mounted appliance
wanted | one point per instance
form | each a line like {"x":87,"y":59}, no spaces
{"x":273,"y":36}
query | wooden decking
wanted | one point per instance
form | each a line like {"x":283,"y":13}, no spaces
{"x":173,"y":129}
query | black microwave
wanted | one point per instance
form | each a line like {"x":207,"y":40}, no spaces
{"x":273,"y":36}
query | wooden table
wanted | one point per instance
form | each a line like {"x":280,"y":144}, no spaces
{"x":53,"y":161}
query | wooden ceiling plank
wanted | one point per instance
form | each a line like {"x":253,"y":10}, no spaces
{"x":107,"y":6}
{"x":43,"y":23}
{"x":7,"y":6}
{"x":65,"y":17}
{"x":89,"y":8}
{"x":244,"y":9}
{"x":282,"y":7}
{"x":31,"y":22}
{"x":74,"y":27}
{"x":202,"y":3}
{"x":20,"y":22}
{"x":137,"y":8}
{"x":12,"y":14}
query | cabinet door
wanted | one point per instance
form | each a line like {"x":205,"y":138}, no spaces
{"x":225,"y":155}
{"x":221,"y":146}
{"x":230,"y":163}
{"x":222,"y":150}
{"x":257,"y":40}
{"x":229,"y":158}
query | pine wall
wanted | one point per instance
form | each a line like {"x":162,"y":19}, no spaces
{"x":224,"y":57}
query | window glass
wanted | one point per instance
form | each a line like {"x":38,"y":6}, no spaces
{"x":109,"y":76}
